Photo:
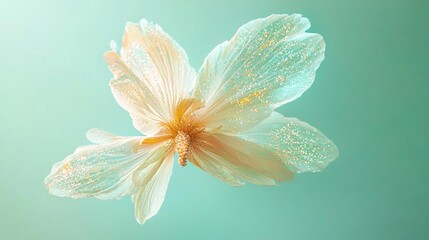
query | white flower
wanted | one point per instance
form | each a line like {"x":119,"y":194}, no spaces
{"x":222,"y":119}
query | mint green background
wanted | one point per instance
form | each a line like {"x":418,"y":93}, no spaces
{"x":370,"y":97}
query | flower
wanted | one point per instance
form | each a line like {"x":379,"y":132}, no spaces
{"x":222,"y":119}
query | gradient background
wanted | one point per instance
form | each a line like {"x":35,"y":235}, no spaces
{"x":370,"y":97}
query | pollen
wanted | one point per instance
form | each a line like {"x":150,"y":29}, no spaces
{"x":185,"y":128}
{"x":183,"y":142}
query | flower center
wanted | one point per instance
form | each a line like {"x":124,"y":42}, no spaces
{"x":185,"y":128}
{"x":183,"y":142}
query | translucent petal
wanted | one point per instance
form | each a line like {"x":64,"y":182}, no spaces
{"x":98,"y":136}
{"x":268,"y":62}
{"x":219,"y":168}
{"x":234,"y":160}
{"x":302,"y":147}
{"x":152,"y":75}
{"x":145,"y":108}
{"x":103,"y":171}
{"x":151,"y":183}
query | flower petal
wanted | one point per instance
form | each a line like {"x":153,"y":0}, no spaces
{"x":98,"y":136}
{"x":144,"y":107}
{"x":151,"y":183}
{"x":103,"y":171}
{"x":234,"y":160}
{"x":302,"y":147}
{"x":151,"y":76}
{"x":268,"y":62}
{"x":156,"y":58}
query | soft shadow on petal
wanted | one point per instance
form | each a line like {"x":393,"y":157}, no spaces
{"x":234,"y":160}
{"x":151,"y":75}
{"x":151,"y":182}
{"x":103,"y":171}
{"x":268,"y":62}
{"x":144,"y":107}
{"x":302,"y":147}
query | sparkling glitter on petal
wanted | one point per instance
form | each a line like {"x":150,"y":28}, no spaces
{"x":151,"y":75}
{"x":158,"y":61}
{"x":133,"y":95}
{"x":267,"y":63}
{"x":102,"y":171}
{"x":302,"y":147}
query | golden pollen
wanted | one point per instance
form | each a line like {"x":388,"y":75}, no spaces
{"x":185,"y":128}
{"x":183,"y":142}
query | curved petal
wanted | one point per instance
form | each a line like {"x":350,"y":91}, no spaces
{"x":103,"y":171}
{"x":98,"y":136}
{"x":144,"y":107}
{"x":302,"y":147}
{"x":268,"y":62}
{"x":151,"y":183}
{"x":234,"y":160}
{"x":151,"y":75}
